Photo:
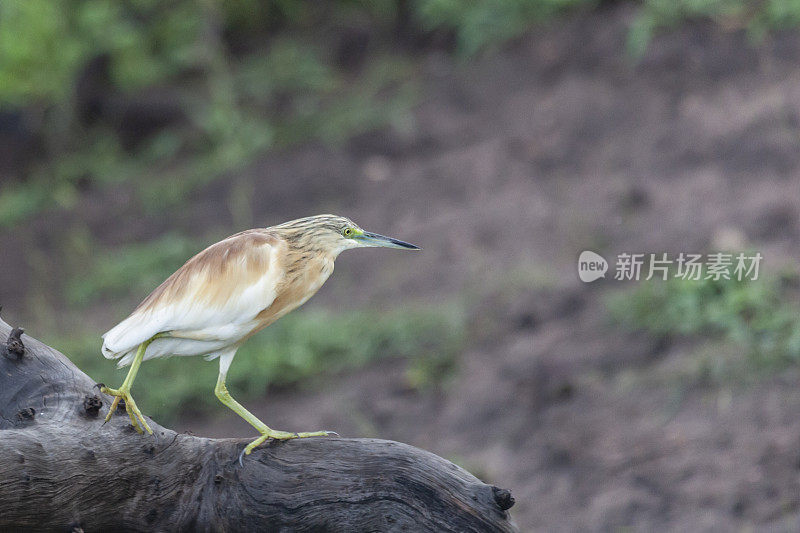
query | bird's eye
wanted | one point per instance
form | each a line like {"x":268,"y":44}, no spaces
{"x":348,"y":232}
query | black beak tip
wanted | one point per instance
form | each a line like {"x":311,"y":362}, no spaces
{"x":407,"y":245}
{"x":396,"y":242}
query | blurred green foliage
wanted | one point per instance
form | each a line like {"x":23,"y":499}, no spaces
{"x":43,"y":44}
{"x":301,"y":346}
{"x":756,"y":16}
{"x":244,"y":75}
{"x":757,"y":316}
{"x":130,"y":270}
{"x":481,"y":24}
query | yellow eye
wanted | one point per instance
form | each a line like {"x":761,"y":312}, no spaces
{"x":348,"y":232}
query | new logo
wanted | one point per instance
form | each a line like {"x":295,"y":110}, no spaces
{"x":591,"y":266}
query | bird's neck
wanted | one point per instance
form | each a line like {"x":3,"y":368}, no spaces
{"x":306,"y":249}
{"x":308,"y":265}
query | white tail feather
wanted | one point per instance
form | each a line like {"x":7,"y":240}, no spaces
{"x":126,"y":358}
{"x":128,"y":335}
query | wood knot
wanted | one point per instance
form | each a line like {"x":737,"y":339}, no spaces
{"x":26,"y":414}
{"x":503,"y":498}
{"x":92,"y":404}
{"x":13,"y":345}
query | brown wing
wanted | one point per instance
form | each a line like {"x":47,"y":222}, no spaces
{"x":227,"y":283}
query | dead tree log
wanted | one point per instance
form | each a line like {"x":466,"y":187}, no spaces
{"x":61,"y":469}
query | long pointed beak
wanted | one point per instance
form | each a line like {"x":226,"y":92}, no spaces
{"x":375,"y":240}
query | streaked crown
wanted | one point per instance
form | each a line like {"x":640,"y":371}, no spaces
{"x":318,"y":224}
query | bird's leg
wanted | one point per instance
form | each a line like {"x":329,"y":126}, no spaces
{"x":225,"y":397}
{"x":124,"y":392}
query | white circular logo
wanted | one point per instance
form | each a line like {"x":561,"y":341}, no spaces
{"x":591,"y":266}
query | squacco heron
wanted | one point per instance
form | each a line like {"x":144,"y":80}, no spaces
{"x":225,"y":294}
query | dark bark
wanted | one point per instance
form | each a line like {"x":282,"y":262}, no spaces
{"x":61,"y":469}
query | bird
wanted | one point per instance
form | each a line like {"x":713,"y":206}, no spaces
{"x":224,"y":295}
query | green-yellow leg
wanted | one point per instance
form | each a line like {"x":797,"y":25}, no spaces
{"x":266,"y":432}
{"x":124,"y":392}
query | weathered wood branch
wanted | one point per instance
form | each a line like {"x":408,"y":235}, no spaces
{"x":62,"y":469}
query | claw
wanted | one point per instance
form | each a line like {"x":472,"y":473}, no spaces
{"x":279,"y":436}
{"x":124,"y":400}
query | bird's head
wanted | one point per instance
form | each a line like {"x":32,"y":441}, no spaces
{"x":334,"y":234}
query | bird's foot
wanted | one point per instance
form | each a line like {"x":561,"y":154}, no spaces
{"x":282,"y":435}
{"x":136,"y":416}
{"x":285,"y":435}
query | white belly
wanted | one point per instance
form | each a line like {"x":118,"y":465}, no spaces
{"x":200,"y":342}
